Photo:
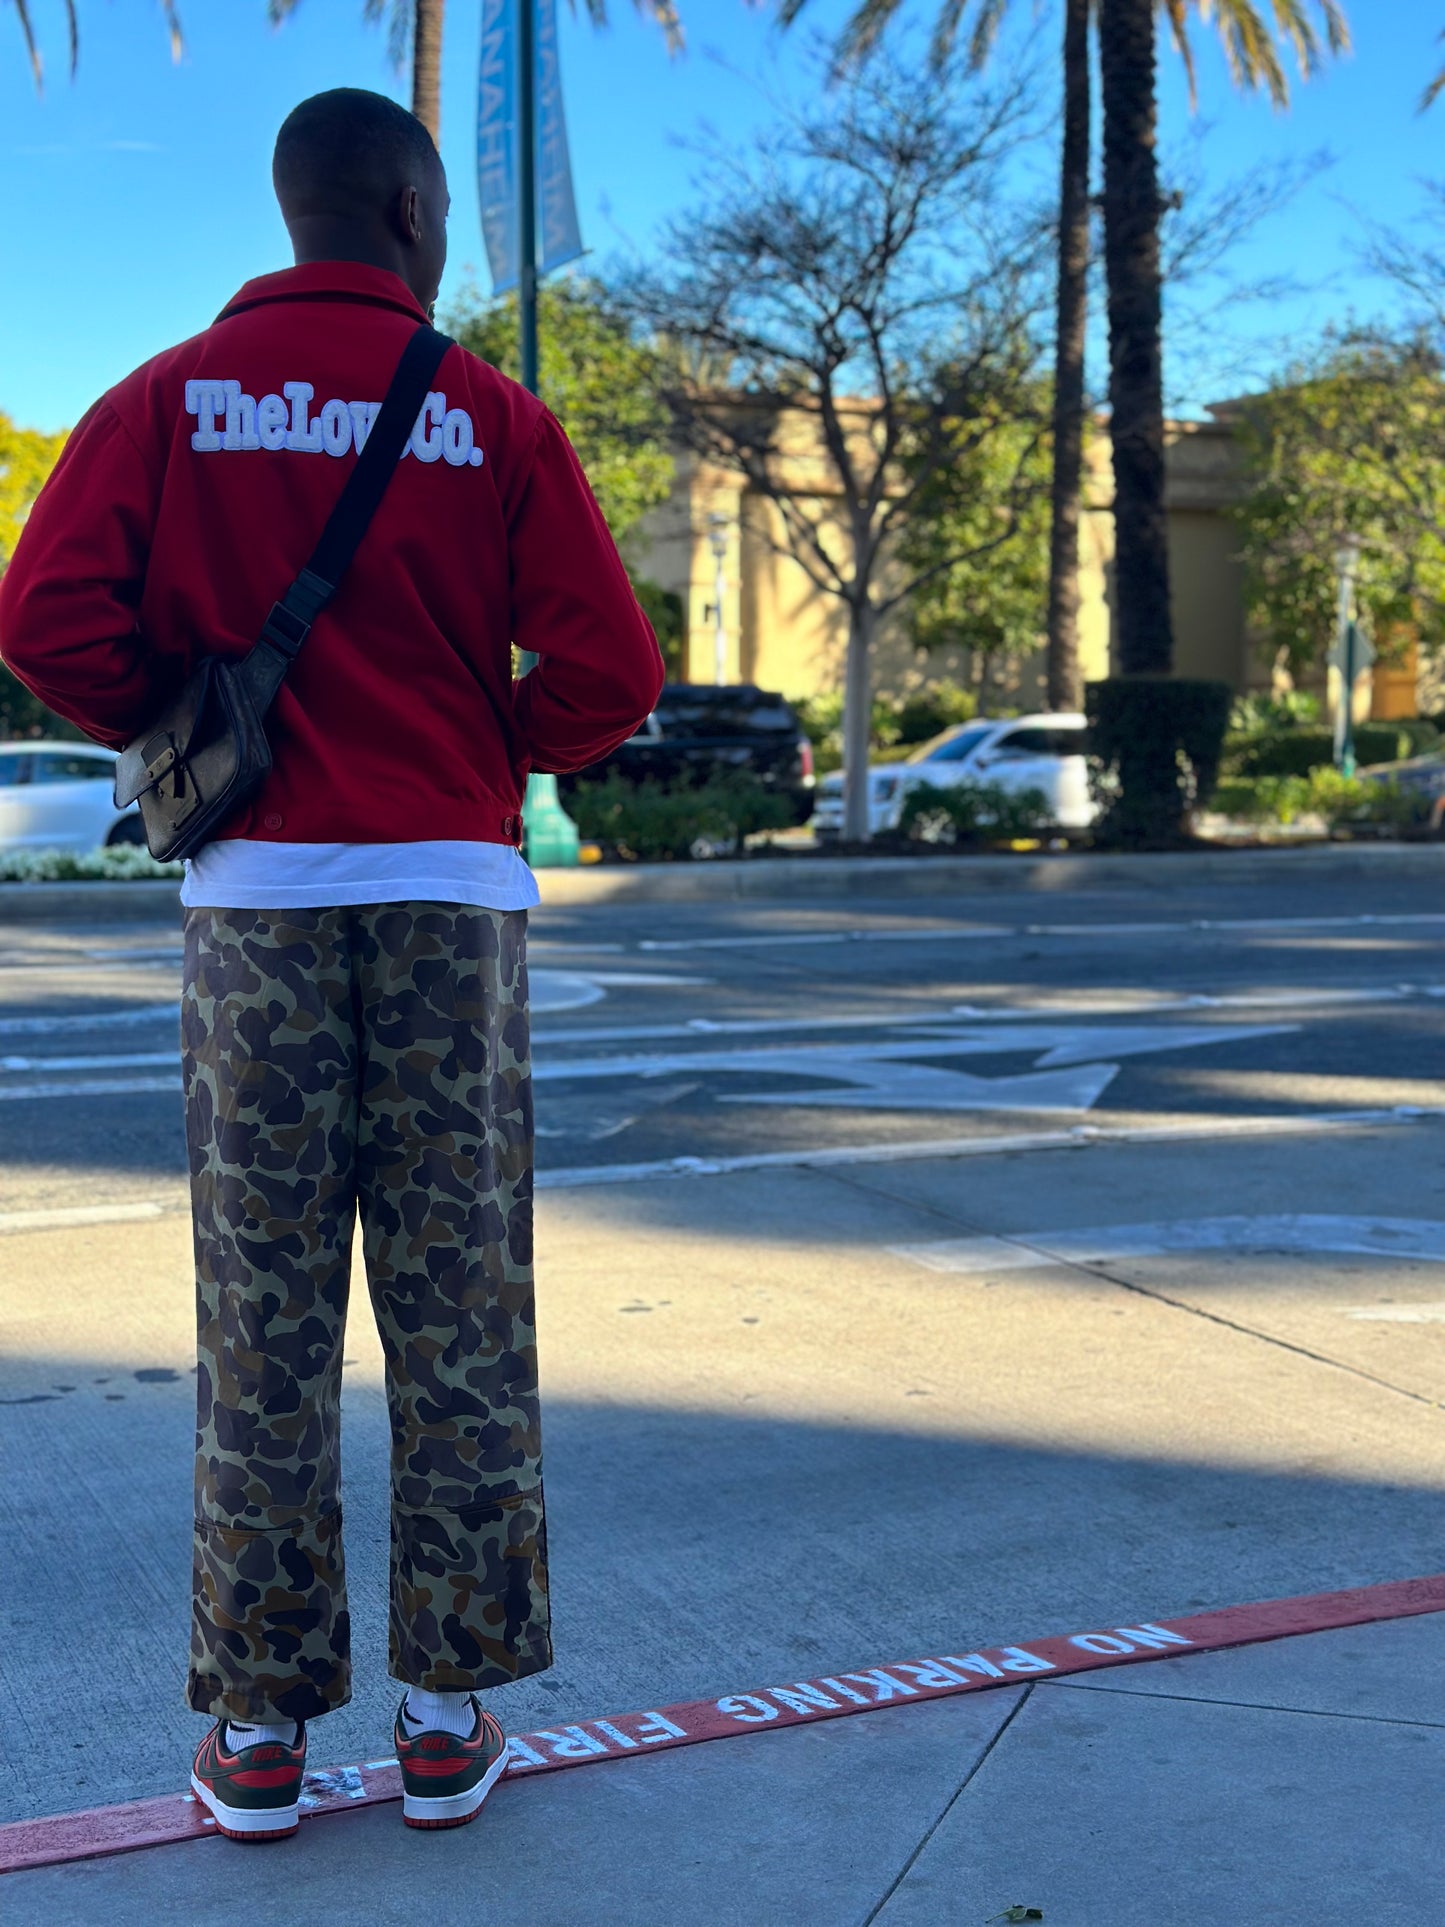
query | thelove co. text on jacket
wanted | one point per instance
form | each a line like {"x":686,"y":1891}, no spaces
{"x":228,"y":419}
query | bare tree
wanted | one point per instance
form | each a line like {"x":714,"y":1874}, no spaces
{"x":862,"y":291}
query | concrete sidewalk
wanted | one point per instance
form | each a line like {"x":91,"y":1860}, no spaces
{"x":835,"y":879}
{"x":1298,"y":1782}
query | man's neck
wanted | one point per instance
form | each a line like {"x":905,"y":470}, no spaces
{"x":331,"y":240}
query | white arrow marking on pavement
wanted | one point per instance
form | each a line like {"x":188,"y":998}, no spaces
{"x":892,"y":1086}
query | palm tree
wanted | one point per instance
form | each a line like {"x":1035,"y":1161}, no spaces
{"x":1254,"y":62}
{"x":416,"y":27}
{"x":1132,"y":208}
{"x":72,"y":24}
{"x":415,"y":30}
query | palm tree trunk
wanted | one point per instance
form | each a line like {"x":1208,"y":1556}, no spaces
{"x":1136,"y":397}
{"x":1064,"y":686}
{"x":426,"y":65}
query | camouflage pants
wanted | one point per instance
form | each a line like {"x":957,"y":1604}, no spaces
{"x":370,"y":1061}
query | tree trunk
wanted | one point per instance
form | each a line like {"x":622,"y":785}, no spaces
{"x":857,"y":723}
{"x":1064,"y":684}
{"x":426,"y":65}
{"x":1136,"y":393}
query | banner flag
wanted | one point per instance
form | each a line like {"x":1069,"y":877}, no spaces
{"x":560,"y":241}
{"x":497,"y":136}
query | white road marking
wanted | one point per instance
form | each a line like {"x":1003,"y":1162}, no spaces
{"x":61,"y":1217}
{"x":1431,"y":1314}
{"x":91,"y":1020}
{"x":93,"y":1087}
{"x":111,"y":1060}
{"x":1078,"y":1008}
{"x":1375,"y":1237}
{"x":774,"y":939}
{"x":1080,"y":1137}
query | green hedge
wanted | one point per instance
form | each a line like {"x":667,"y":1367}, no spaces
{"x":646,"y":823}
{"x":1341,"y":802}
{"x":1295,"y":752}
{"x":1154,"y":748}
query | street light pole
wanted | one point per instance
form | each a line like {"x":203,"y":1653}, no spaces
{"x":1347,"y":564}
{"x":718,"y":537}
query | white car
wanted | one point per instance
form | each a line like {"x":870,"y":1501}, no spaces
{"x":1044,"y":753}
{"x":58,"y":796}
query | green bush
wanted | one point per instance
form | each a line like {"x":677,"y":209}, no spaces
{"x":928,"y":711}
{"x":121,"y":863}
{"x":1258,"y":715}
{"x":646,"y":823}
{"x":972,"y":813}
{"x":1341,"y":802}
{"x":1295,"y":752}
{"x":1154,"y":749}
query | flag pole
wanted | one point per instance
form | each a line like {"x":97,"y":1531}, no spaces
{"x":550,"y":835}
{"x":527,"y":188}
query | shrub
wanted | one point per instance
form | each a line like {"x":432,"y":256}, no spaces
{"x":972,"y":813}
{"x":1347,"y":803}
{"x":1259,"y":715}
{"x":646,"y":823}
{"x":1154,"y":749}
{"x":122,"y":863}
{"x":1295,"y":752}
{"x":1341,"y":802}
{"x":928,"y":711}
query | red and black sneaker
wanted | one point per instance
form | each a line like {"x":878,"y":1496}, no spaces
{"x":254,"y":1793}
{"x":444,"y":1780}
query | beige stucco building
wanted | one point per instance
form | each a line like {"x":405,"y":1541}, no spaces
{"x":778,"y":630}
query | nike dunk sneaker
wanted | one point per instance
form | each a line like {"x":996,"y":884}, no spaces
{"x":255,"y":1792}
{"x":444,"y":1780}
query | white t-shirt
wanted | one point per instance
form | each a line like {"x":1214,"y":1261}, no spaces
{"x":237,"y":873}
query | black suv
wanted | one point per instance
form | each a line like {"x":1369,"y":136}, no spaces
{"x":699,"y":730}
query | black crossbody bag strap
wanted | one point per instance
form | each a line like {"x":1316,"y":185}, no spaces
{"x":290,"y":620}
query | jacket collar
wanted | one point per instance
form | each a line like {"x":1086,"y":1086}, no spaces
{"x":328,"y":281}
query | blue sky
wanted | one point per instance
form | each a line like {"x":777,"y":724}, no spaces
{"x":138,"y":197}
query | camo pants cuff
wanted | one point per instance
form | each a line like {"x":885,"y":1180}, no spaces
{"x":469,"y":1604}
{"x":270,"y":1627}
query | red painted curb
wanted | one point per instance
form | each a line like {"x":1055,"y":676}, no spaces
{"x":172,"y":1817}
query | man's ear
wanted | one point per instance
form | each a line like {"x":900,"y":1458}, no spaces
{"x":409,"y":215}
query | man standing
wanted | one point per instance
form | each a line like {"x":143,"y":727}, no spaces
{"x":354,"y":1014}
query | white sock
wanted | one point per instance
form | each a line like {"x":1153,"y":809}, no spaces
{"x":439,"y":1712}
{"x":241,"y":1733}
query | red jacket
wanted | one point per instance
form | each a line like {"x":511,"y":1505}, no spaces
{"x":191,"y":494}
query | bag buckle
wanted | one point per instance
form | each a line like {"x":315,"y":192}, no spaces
{"x":285,"y":629}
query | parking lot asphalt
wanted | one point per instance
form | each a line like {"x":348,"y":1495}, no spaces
{"x":908,"y":1274}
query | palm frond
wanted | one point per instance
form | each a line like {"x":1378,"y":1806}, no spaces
{"x":985,"y":32}
{"x":32,"y":46}
{"x":863,"y":31}
{"x":1176,"y":13}
{"x":1249,"y":31}
{"x":1431,"y":94}
{"x":173,"y":26}
{"x":27,"y":28}
{"x":664,"y":12}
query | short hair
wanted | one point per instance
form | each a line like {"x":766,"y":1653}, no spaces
{"x":347,"y":153}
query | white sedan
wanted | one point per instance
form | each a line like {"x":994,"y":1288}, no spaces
{"x":1044,"y":753}
{"x":58,"y":796}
